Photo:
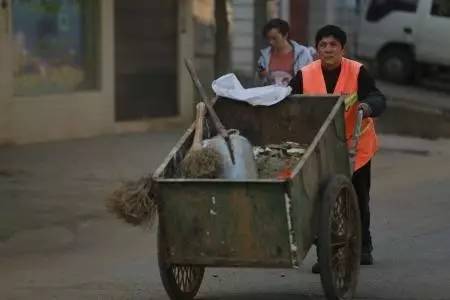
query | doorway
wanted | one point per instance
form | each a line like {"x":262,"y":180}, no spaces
{"x":145,"y":59}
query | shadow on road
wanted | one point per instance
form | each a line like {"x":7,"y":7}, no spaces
{"x":264,"y":296}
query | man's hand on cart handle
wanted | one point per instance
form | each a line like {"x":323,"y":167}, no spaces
{"x":367,"y":111}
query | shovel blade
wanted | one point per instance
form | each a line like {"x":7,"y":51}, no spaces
{"x":244,"y":166}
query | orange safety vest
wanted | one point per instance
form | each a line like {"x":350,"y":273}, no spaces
{"x":347,"y":84}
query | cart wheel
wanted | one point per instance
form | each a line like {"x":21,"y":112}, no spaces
{"x":339,"y":239}
{"x":181,"y":282}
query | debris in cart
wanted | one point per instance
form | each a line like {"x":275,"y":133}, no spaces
{"x":278,"y":160}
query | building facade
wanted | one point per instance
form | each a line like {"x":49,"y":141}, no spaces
{"x":80,"y":68}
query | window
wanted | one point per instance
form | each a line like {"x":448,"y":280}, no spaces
{"x":441,"y":8}
{"x":379,"y":9}
{"x":55,"y":46}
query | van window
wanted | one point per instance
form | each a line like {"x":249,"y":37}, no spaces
{"x":378,"y":9}
{"x":441,"y":8}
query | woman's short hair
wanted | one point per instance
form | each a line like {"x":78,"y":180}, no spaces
{"x":281,"y":25}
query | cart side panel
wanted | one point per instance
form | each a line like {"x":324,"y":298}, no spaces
{"x":329,"y":158}
{"x":170,"y":167}
{"x":225,"y":223}
{"x":297,"y":118}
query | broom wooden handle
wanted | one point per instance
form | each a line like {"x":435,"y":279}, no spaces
{"x":212,"y":113}
{"x":221,"y":130}
{"x":199,"y":120}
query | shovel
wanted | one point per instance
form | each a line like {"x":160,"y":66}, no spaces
{"x":244,"y":166}
{"x":236,"y":151}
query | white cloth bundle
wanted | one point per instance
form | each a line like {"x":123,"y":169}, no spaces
{"x":229,"y":86}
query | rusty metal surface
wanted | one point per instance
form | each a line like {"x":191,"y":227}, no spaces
{"x":266,"y":223}
{"x":329,"y":157}
{"x":297,"y":119}
{"x":234,"y":222}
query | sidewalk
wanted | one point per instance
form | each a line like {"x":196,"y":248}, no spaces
{"x":415,"y":111}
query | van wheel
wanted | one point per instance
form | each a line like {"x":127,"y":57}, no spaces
{"x":397,"y":65}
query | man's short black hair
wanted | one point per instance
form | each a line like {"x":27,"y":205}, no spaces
{"x":281,"y":25}
{"x":334,"y":31}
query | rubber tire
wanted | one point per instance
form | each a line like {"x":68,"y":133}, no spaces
{"x":404,"y":59}
{"x":168,"y":279}
{"x":329,"y":197}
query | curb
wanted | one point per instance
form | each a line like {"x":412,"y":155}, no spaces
{"x":403,"y":117}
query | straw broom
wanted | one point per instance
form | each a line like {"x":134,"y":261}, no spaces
{"x":135,"y":202}
{"x":201,"y":162}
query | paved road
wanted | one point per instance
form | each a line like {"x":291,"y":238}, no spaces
{"x":57,"y":241}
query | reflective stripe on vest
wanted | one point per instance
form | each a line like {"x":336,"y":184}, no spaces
{"x":347,"y":84}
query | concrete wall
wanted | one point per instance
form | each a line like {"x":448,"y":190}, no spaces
{"x":241,"y":16}
{"x":318,"y":16}
{"x":204,"y":37}
{"x":185,"y":50}
{"x":5,"y":77}
{"x":242,"y":37}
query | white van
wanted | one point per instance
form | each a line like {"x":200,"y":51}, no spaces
{"x":402,"y":35}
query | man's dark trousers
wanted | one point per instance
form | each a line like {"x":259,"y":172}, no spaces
{"x":361,"y":183}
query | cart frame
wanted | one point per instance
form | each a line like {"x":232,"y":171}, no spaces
{"x":267,"y":223}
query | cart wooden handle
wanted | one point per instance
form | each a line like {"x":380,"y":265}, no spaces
{"x":355,"y":138}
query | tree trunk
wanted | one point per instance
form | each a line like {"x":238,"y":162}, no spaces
{"x":222,"y":39}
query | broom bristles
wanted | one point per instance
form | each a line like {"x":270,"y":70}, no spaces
{"x":203,"y":163}
{"x":134,"y":202}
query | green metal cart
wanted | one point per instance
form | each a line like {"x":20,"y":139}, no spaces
{"x":267,"y":223}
